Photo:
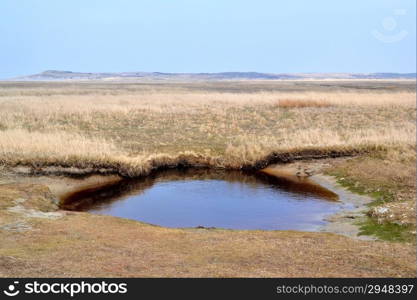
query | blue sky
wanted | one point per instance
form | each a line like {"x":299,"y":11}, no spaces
{"x":207,"y":36}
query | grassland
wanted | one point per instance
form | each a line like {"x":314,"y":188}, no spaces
{"x":134,"y":128}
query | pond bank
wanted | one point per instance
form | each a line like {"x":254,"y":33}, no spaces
{"x":343,"y":222}
{"x":83,"y":245}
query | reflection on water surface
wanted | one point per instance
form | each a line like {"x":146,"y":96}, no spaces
{"x":212,"y":198}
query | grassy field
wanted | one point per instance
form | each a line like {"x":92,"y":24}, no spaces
{"x":134,"y":128}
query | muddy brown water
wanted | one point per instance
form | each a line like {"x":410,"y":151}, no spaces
{"x":212,"y":198}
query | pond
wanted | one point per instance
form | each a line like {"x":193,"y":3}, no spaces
{"x":212,"y":198}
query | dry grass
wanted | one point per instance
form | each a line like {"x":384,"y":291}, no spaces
{"x":298,"y":103}
{"x":71,"y":246}
{"x":134,"y":128}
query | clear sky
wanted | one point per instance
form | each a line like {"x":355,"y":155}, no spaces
{"x":207,"y":36}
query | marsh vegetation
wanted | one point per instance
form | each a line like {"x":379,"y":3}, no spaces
{"x":132,"y":129}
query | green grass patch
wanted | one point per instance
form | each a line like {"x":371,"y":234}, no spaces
{"x":384,"y":231}
{"x":387,"y":231}
{"x":379,"y":195}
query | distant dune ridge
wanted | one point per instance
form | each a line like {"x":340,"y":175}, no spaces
{"x":51,"y":75}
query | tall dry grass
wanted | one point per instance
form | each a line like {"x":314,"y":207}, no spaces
{"x":133,"y":131}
